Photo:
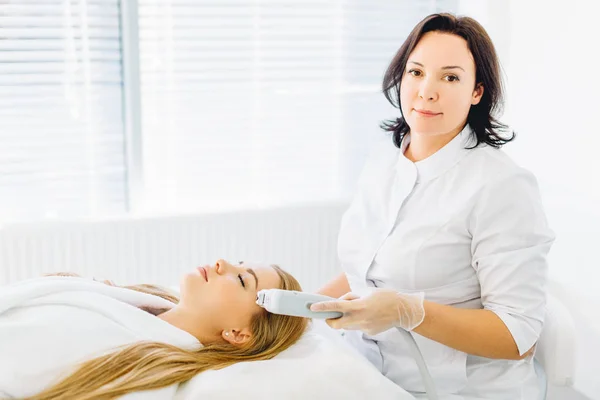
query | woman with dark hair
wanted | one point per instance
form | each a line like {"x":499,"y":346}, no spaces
{"x":446,"y":236}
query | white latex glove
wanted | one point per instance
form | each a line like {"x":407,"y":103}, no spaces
{"x":376,"y":312}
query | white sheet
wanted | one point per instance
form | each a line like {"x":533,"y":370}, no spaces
{"x":319,"y":367}
{"x":49,"y":324}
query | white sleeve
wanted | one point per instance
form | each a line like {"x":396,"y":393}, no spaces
{"x":511,"y":240}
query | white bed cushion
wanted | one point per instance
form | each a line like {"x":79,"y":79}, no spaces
{"x":319,"y":367}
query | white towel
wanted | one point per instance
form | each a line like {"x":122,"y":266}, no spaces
{"x":49,"y":324}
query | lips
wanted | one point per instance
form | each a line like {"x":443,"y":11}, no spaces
{"x":203,"y":273}
{"x":427,"y":112}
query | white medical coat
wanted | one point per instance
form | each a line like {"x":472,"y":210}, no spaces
{"x":467,"y":228}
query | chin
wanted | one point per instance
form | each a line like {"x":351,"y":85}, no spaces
{"x":188,"y":283}
{"x":425,"y":129}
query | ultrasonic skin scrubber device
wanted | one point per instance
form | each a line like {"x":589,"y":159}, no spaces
{"x":297,"y":304}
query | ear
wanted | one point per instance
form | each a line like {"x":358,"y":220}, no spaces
{"x":236,"y":337}
{"x":477,"y":93}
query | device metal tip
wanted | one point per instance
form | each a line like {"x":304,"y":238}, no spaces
{"x":260,"y":298}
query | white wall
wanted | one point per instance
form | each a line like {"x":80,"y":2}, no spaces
{"x":301,"y":239}
{"x":553,"y":87}
{"x":550,"y":57}
{"x":550,"y":51}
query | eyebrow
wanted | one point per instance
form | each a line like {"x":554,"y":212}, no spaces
{"x":445,"y":67}
{"x":251,"y":271}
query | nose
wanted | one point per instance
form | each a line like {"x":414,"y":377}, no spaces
{"x":221,"y":266}
{"x":428,"y":90}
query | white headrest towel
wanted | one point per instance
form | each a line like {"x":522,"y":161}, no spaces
{"x":49,"y":324}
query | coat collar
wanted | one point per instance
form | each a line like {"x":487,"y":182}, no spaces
{"x":439,"y":162}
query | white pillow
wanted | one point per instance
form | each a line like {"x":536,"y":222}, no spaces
{"x":320,"y":366}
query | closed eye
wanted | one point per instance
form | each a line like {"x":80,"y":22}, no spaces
{"x":241,"y":281}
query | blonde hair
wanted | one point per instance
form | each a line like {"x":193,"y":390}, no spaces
{"x":153,"y":365}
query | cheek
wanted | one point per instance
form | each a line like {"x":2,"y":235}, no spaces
{"x":234,"y":310}
{"x":405,"y":107}
{"x":457,"y":102}
{"x":229,"y":296}
{"x":407,"y":93}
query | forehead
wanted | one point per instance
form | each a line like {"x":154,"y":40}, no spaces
{"x":267,"y":276}
{"x":436,"y":50}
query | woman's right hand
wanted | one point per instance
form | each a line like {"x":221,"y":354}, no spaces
{"x":376,"y":312}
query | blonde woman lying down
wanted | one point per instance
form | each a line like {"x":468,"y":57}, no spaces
{"x":217,"y":307}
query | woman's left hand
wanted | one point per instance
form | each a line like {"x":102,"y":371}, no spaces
{"x":376,"y":312}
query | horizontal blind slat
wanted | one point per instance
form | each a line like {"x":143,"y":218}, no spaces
{"x":62,"y":139}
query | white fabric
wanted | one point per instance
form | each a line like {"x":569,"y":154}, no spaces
{"x":465,"y":226}
{"x":557,"y":347}
{"x":47,"y":325}
{"x":321,"y":366}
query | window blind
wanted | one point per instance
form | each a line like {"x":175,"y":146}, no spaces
{"x":266,"y":102}
{"x":61,"y":118}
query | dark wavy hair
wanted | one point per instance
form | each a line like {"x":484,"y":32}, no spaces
{"x":486,"y":128}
